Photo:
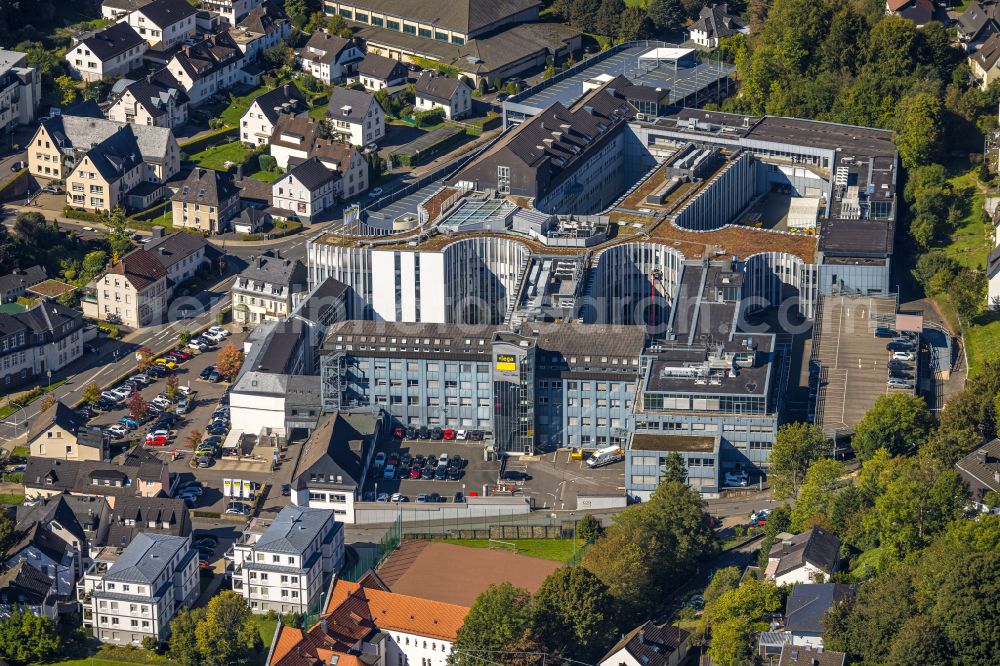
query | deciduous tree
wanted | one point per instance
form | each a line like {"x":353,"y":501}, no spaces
{"x":91,"y":392}
{"x":573,"y":614}
{"x":816,"y":495}
{"x":229,"y":361}
{"x":144,"y":358}
{"x":497,"y":619}
{"x":898,"y":422}
{"x":183,"y":645}
{"x":172,"y":388}
{"x":227,"y":635}
{"x":137,"y":406}
{"x":26,"y":638}
{"x":796,"y":447}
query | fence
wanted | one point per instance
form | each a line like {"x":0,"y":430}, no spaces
{"x":373,"y":558}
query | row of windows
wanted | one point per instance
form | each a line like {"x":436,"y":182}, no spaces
{"x":398,"y":25}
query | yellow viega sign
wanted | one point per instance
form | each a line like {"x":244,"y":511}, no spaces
{"x":506,"y":363}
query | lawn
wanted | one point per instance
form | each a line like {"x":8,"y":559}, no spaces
{"x":982,"y":339}
{"x":216,"y":158}
{"x":969,"y":243}
{"x":20,"y":451}
{"x":266,"y":176}
{"x":266,"y":628}
{"x":558,"y":550}
{"x":318,"y":112}
{"x":11,"y":499}
{"x":231,"y":114}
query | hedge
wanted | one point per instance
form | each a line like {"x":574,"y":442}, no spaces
{"x":213,"y":139}
{"x":77,"y":214}
{"x":150,"y":213}
{"x":280,"y":230}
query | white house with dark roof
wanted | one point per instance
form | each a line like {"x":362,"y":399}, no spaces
{"x":231,"y":11}
{"x":376,"y":72}
{"x":109,"y":53}
{"x":47,"y":337}
{"x":207,"y":200}
{"x":257,"y":124}
{"x":148,"y":102}
{"x":207,"y":67}
{"x":286,"y":564}
{"x":306,"y":191}
{"x":15,"y":284}
{"x":328,"y":57}
{"x":268,"y":289}
{"x":435,"y":91}
{"x":649,"y":645}
{"x":809,"y":557}
{"x":981,"y":472}
{"x":806,"y":609}
{"x":117,"y":10}
{"x":715,"y":23}
{"x":133,"y":593}
{"x":265,"y":27}
{"x":164,"y":23}
{"x":356,"y":116}
{"x":59,"y":432}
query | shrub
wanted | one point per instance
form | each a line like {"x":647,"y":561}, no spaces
{"x":77,"y":214}
{"x":429,"y":117}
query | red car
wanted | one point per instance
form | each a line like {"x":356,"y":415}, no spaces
{"x":156,"y":441}
{"x":415,"y":472}
{"x":179,"y":354}
{"x":399,"y":433}
{"x":448,"y":434}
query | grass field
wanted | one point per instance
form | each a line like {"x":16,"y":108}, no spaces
{"x":266,"y":176}
{"x":216,"y":158}
{"x":558,"y":550}
{"x":11,"y":499}
{"x":266,"y":628}
{"x":231,"y":114}
{"x":20,"y":451}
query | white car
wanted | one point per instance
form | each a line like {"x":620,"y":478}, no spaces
{"x":398,"y":497}
{"x":902,"y":356}
{"x":218,"y":330}
{"x":214,"y":337}
{"x":162,"y":403}
{"x":461,"y":434}
{"x":111,"y":395}
{"x":121,"y":392}
{"x":375,"y":192}
{"x":186,"y":390}
{"x":142,"y":379}
{"x":116,"y":430}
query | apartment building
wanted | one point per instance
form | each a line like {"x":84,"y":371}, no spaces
{"x":133,"y":516}
{"x":109,"y":53}
{"x":117,"y":10}
{"x":306,"y":191}
{"x":20,"y":89}
{"x":286,"y":564}
{"x":164,"y":23}
{"x":434,"y":91}
{"x":107,"y":173}
{"x":356,"y":116}
{"x":231,"y":11}
{"x":258,"y":123}
{"x":263,"y":28}
{"x":205,"y":68}
{"x":206,"y":201}
{"x":134,"y":291}
{"x":328,"y":57}
{"x":347,"y":162}
{"x":136,"y":473}
{"x":268,"y":289}
{"x":148,"y":102}
{"x":376,"y":72}
{"x":133,"y":593}
{"x":60,"y":142}
{"x":59,"y":432}
{"x":48,"y":337}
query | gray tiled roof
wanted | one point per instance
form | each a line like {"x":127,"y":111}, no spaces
{"x":19,"y":279}
{"x":382,"y":68}
{"x":312,"y":174}
{"x":436,"y":86}
{"x":294,"y":529}
{"x":83,"y":132}
{"x":273,"y":102}
{"x":350,"y":105}
{"x":143,"y":510}
{"x":163,"y":13}
{"x":147,"y":557}
{"x":466,"y":16}
{"x":809,"y":603}
{"x":817,"y":547}
{"x":113,"y":41}
{"x":175,"y":247}
{"x":273,"y":270}
{"x":207,"y":187}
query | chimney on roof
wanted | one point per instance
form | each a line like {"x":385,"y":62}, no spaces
{"x":322,"y":625}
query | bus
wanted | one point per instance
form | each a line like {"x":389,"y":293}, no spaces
{"x":605,"y":456}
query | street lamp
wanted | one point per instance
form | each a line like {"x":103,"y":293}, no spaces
{"x":572,"y":514}
{"x":49,"y":373}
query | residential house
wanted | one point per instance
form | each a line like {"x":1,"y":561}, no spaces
{"x":180,"y":253}
{"x":49,"y":538}
{"x":796,"y":655}
{"x":329,"y":58}
{"x":20,"y":89}
{"x":265,"y":27}
{"x":15,"y":284}
{"x":268,"y":288}
{"x":993,"y":279}
{"x":347,"y":161}
{"x":87,"y":526}
{"x":649,"y":645}
{"x":806,"y":609}
{"x":292,"y":138}
{"x":920,"y":12}
{"x":132,"y":594}
{"x":133,"y":292}
{"x":137,"y":472}
{"x":981,"y":471}
{"x":116,"y":10}
{"x":148,"y":102}
{"x":164,"y":23}
{"x":59,"y":432}
{"x":257,"y":124}
{"x":376,"y":72}
{"x":106,"y":173}
{"x":60,"y":142}
{"x":207,"y":67}
{"x":23,"y":587}
{"x":715,"y":23}
{"x":810,"y":557}
{"x":356,"y":116}
{"x":133,"y":516}
{"x":366,"y":623}
{"x":231,"y":11}
{"x":979,"y":20}
{"x":109,"y":53}
{"x":287,"y":563}
{"x":434,"y":91}
{"x":983,"y":62}
{"x":331,"y":467}
{"x":206,"y":201}
{"x":47,"y":337}
{"x":306,"y":191}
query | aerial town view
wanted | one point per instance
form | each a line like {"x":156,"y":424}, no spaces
{"x":499,"y":332}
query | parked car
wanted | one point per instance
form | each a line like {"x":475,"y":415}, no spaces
{"x":902,"y":356}
{"x":116,"y":431}
{"x":454,"y":474}
{"x":111,"y":396}
{"x":398,"y":497}
{"x":382,"y":497}
{"x":415,"y":472}
{"x":899,"y":383}
{"x":441,"y":473}
{"x":461,"y":434}
{"x":217,"y":429}
{"x":165,"y":363}
{"x":205,"y":461}
{"x":448,"y":434}
{"x":443,"y":459}
{"x":411,"y":432}
{"x":129,"y":423}
{"x":398,"y":433}
{"x":218,"y":330}
{"x":375,"y":192}
{"x":214,"y":376}
{"x":238,"y":509}
{"x":389,"y":472}
{"x":286,"y":490}
{"x":897,"y":345}
{"x":459,"y":497}
{"x":437,"y":434}
{"x":379,"y":459}
{"x":476,"y":435}
{"x":883,"y":332}
{"x":515,"y":475}
{"x":738,"y":479}
{"x":157,"y":372}
{"x":142,"y":379}
{"x":422,"y":498}
{"x":428,"y":472}
{"x":181,"y":354}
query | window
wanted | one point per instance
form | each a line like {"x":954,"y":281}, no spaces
{"x":503,"y":179}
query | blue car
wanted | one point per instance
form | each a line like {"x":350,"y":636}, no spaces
{"x":131,"y":424}
{"x":389,"y":472}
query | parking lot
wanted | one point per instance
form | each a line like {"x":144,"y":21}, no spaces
{"x":475,"y":474}
{"x":177,"y":450}
{"x":557,"y":479}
